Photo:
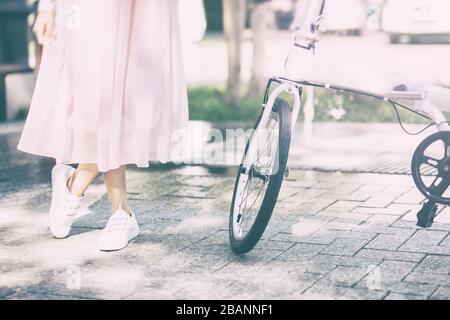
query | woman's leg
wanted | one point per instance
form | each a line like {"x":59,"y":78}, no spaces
{"x":122,"y":226}
{"x":64,"y":206}
{"x":115,"y":181}
{"x":82,"y":178}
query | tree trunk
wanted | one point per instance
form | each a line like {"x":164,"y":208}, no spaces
{"x":233,"y":25}
{"x":259,"y":22}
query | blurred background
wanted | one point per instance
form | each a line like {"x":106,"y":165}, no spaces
{"x":232,"y":47}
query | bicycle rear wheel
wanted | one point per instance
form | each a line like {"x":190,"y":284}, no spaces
{"x":257,"y":187}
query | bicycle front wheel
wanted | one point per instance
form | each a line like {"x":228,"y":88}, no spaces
{"x":259,"y":178}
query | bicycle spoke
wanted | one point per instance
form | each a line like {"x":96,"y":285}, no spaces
{"x":252,"y":207}
{"x":246,"y":210}
{"x":272,"y":131}
{"x":441,"y":187}
{"x":269,"y":142}
{"x":260,"y":160}
{"x":430,"y":161}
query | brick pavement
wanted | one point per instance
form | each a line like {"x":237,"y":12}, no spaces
{"x":332,"y":236}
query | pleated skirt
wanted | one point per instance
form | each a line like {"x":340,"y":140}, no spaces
{"x":111,"y":87}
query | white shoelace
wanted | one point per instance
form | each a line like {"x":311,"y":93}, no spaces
{"x":73,"y":204}
{"x":116,"y":223}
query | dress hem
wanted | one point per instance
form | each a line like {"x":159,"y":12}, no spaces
{"x":101,"y":169}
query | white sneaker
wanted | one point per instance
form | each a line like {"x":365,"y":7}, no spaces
{"x":64,"y":205}
{"x":119,"y":231}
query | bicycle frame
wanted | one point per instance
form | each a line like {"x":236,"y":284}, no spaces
{"x":301,"y":69}
{"x":423,"y":100}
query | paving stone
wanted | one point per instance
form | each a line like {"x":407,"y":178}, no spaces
{"x":345,"y":247}
{"x":30,"y":295}
{"x":357,"y":195}
{"x":344,"y":189}
{"x":396,"y":190}
{"x":209,"y":263}
{"x":275,"y":227}
{"x":274,"y":245}
{"x":400,"y":296}
{"x":372,"y":188}
{"x":429,"y":249}
{"x":343,"y":224}
{"x":384,"y":219}
{"x":218,"y":238}
{"x":288,"y":191}
{"x":345,"y":261}
{"x":288,"y":215}
{"x":413,"y":196}
{"x":183,"y":286}
{"x":343,"y":206}
{"x":412,"y":224}
{"x":318,"y":238}
{"x":311,"y":208}
{"x":392,"y":229}
{"x":350,"y":235}
{"x":445,"y":242}
{"x":300,"y":183}
{"x":381,"y":201}
{"x":59,"y":283}
{"x":344,"y":276}
{"x":248,"y":263}
{"x":301,"y":251}
{"x":381,"y":255}
{"x":312,"y":195}
{"x":357,"y":218}
{"x":443,"y":216}
{"x":386,"y":274}
{"x":442,"y":293}
{"x":326,"y":184}
{"x":434,"y":264}
{"x":410,"y":216}
{"x":5,"y":292}
{"x":413,"y":288}
{"x":393,"y":209}
{"x":424,"y":239}
{"x":306,"y":227}
{"x":307,"y":265}
{"x":289,"y":204}
{"x":273,"y":280}
{"x":429,"y":278}
{"x":387,"y":241}
{"x":328,"y":292}
{"x":324,"y":200}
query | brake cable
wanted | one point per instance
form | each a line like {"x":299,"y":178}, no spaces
{"x":395,"y":105}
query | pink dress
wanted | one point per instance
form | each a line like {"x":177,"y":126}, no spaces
{"x":111,"y":86}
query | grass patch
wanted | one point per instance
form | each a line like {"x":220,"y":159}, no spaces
{"x":347,"y":107}
{"x":208,"y":103}
{"x":21,"y":113}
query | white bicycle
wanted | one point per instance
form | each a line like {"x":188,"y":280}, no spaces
{"x":263,"y":166}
